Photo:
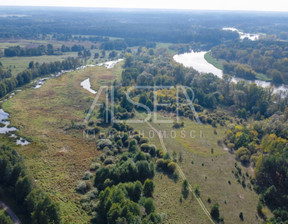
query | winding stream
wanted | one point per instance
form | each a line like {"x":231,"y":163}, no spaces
{"x":86,"y":83}
{"x":5,"y":127}
{"x":110,"y":64}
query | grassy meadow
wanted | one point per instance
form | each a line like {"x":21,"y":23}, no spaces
{"x":58,"y":157}
{"x":216,"y":63}
{"x":211,"y":171}
{"x":18,"y":64}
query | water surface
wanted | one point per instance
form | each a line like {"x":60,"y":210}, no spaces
{"x":110,"y":64}
{"x":197,"y":61}
{"x":87,"y":85}
{"x":251,"y":36}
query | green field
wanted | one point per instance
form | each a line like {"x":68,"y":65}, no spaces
{"x":58,"y":157}
{"x":18,"y":64}
{"x":210,"y":171}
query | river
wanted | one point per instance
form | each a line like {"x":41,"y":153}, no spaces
{"x":197,"y":61}
{"x":109,"y":64}
{"x":242,"y":35}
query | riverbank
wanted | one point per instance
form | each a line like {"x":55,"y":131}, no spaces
{"x":198,"y":61}
{"x":216,"y":63}
{"x":213,"y":61}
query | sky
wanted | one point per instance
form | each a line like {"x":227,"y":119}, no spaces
{"x":252,"y":5}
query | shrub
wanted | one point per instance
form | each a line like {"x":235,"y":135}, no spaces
{"x":166,"y":165}
{"x":102,"y":143}
{"x":197,"y":190}
{"x":93,"y":194}
{"x":243,"y":155}
{"x":92,"y":131}
{"x":178,"y":125}
{"x":171,"y":167}
{"x":241,"y":216}
{"x":132,"y":147}
{"x":148,"y":188}
{"x":215,"y":214}
{"x":149,"y":149}
{"x":82,"y":187}
{"x":108,"y":161}
{"x":185,"y":189}
{"x":119,"y":143}
{"x":149,"y":206}
{"x":87,"y":175}
{"x":145,"y":147}
{"x":160,"y":163}
{"x":143,"y":140}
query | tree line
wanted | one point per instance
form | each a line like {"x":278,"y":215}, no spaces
{"x":15,"y":180}
{"x":36,"y":70}
{"x":4,"y":73}
{"x":27,"y":52}
{"x":263,"y":56}
{"x":122,"y":44}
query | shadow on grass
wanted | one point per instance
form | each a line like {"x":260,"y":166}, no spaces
{"x":173,"y":176}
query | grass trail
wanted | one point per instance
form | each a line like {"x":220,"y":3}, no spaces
{"x":182,"y":175}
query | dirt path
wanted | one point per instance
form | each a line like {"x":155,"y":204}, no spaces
{"x":9,"y":211}
{"x":182,"y":175}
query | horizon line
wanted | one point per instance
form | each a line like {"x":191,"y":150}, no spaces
{"x":142,"y":8}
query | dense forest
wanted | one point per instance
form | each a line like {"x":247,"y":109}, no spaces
{"x":244,"y":99}
{"x":17,"y":182}
{"x":246,"y":58}
{"x":140,"y":27}
{"x":192,"y":25}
